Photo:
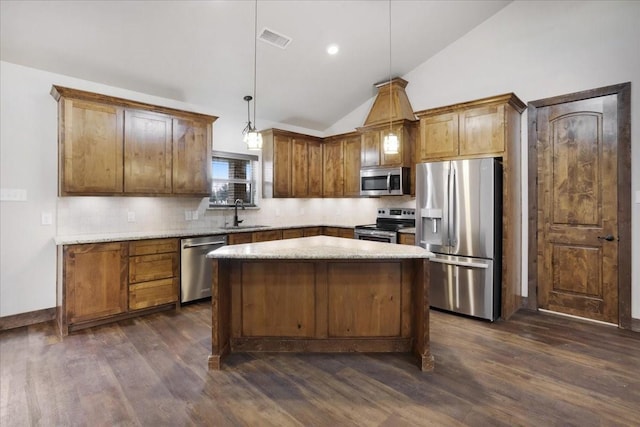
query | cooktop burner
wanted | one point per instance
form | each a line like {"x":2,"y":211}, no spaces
{"x":392,"y":219}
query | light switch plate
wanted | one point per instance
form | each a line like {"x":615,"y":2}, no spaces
{"x":47,"y":218}
{"x":194,"y":215}
{"x":131,"y":216}
{"x":188,"y":216}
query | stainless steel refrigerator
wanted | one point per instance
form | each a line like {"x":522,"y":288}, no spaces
{"x":459,"y":218}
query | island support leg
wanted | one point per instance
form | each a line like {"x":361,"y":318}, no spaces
{"x":220,"y":313}
{"x":421,"y":347}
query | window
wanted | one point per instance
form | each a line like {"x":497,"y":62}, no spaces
{"x":233,"y":178}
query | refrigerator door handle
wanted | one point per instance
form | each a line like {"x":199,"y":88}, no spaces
{"x":469,"y":264}
{"x":450,"y":214}
{"x":454,"y":207}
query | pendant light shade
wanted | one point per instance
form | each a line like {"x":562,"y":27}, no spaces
{"x":251,"y":136}
{"x":390,"y":142}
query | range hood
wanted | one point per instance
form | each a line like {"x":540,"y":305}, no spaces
{"x":400,"y":105}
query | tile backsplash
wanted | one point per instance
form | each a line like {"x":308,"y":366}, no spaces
{"x":104,"y":215}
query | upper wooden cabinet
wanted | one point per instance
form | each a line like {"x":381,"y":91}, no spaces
{"x":114,"y":146}
{"x":373,"y":154}
{"x":292,"y":164}
{"x":341,"y":162}
{"x":471,"y":129}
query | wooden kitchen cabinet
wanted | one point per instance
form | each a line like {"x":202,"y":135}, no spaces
{"x":90,"y":147}
{"x":347,"y":233}
{"x":114,"y":146}
{"x":472,"y":129}
{"x":191,"y":144}
{"x":341,"y":162}
{"x":239,"y":238}
{"x":292,"y":164}
{"x":94,"y":283}
{"x":407,"y":239}
{"x":266,"y":235}
{"x":153,"y":273}
{"x":147,"y":153}
{"x":372,"y":145}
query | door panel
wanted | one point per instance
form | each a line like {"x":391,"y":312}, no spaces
{"x":577,"y":208}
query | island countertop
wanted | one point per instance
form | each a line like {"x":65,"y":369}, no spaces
{"x":320,"y":247}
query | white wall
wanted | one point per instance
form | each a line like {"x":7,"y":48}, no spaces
{"x":538,"y":50}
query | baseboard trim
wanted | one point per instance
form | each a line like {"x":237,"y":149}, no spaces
{"x":635,"y":325}
{"x":26,"y":319}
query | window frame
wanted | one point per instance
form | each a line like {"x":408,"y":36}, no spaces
{"x":252,"y":160}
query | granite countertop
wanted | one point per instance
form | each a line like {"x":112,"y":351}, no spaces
{"x":127,"y":236}
{"x":320,"y":247}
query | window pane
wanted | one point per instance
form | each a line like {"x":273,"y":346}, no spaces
{"x":232,"y":180}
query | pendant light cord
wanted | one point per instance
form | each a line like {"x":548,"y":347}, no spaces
{"x":255,"y":60}
{"x":390,"y":92}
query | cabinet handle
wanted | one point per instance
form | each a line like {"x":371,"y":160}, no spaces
{"x":608,"y":238}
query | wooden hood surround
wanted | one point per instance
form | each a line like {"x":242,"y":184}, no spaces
{"x":400,"y":105}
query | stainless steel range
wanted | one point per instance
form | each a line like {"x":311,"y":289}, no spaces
{"x":388,"y":222}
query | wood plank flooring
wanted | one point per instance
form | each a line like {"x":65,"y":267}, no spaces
{"x":533,"y":370}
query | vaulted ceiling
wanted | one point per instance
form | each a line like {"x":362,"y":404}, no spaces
{"x":202,"y":52}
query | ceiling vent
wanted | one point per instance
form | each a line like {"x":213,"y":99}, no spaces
{"x":274,"y":38}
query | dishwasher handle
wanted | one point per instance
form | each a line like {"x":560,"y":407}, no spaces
{"x":197,"y":245}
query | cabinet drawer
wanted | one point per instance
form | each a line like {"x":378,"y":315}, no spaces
{"x":312,"y":231}
{"x":154,"y":246}
{"x":265,"y":236}
{"x":292,"y":233}
{"x":150,"y":294}
{"x":238,"y":238}
{"x":151,"y":267}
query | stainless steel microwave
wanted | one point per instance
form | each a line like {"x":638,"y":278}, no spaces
{"x":384,"y":181}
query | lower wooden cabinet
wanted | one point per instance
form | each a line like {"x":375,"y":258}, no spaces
{"x":407,"y":239}
{"x":95,"y":282}
{"x":153,"y":273}
{"x":338,"y":232}
{"x":104,"y":282}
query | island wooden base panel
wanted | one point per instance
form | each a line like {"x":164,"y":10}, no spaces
{"x":533,"y":370}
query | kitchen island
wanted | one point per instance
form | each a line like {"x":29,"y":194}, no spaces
{"x":320,"y":294}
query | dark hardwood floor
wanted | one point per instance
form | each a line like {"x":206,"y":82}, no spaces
{"x":533,"y":370}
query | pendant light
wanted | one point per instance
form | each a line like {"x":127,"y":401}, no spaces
{"x":390,"y":142}
{"x":251,"y":136}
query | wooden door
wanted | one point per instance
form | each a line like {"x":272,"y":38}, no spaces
{"x":191,"y":157}
{"x":281,"y":166}
{"x":352,"y":166}
{"x":333,"y":165}
{"x":314,"y":149}
{"x":482,"y":130}
{"x":91,"y":144}
{"x":581,"y":223}
{"x":147,"y":153}
{"x":95,"y":280}
{"x":299,"y":168}
{"x":438,"y":137}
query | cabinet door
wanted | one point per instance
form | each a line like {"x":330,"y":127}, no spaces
{"x":145,"y":268}
{"x":393,"y":159}
{"x":239,"y":238}
{"x":292,"y":233}
{"x":333,"y":164}
{"x":438,"y":137}
{"x":281,"y":166}
{"x":299,"y":168}
{"x":352,"y":166}
{"x":266,"y":236}
{"x":315,"y":168}
{"x":91,"y":144}
{"x":95,"y":280}
{"x":147,"y":153}
{"x":191,"y":157}
{"x":370,"y":149}
{"x":482,"y":130}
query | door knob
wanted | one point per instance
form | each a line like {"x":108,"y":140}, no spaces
{"x":608,"y":238}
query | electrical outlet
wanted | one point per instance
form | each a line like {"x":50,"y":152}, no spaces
{"x":188,"y":216}
{"x":131,"y":216}
{"x":47,"y":218}
{"x":194,"y":215}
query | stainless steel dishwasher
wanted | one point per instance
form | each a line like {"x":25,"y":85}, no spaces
{"x":195,"y":267}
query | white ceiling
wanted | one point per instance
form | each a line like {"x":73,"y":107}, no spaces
{"x":201,"y":52}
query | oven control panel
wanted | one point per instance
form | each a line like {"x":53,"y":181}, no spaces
{"x":397,"y":213}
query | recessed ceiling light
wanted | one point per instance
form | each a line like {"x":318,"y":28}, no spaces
{"x":332,"y":49}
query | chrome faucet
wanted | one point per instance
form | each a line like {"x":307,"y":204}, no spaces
{"x":237,"y":221}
